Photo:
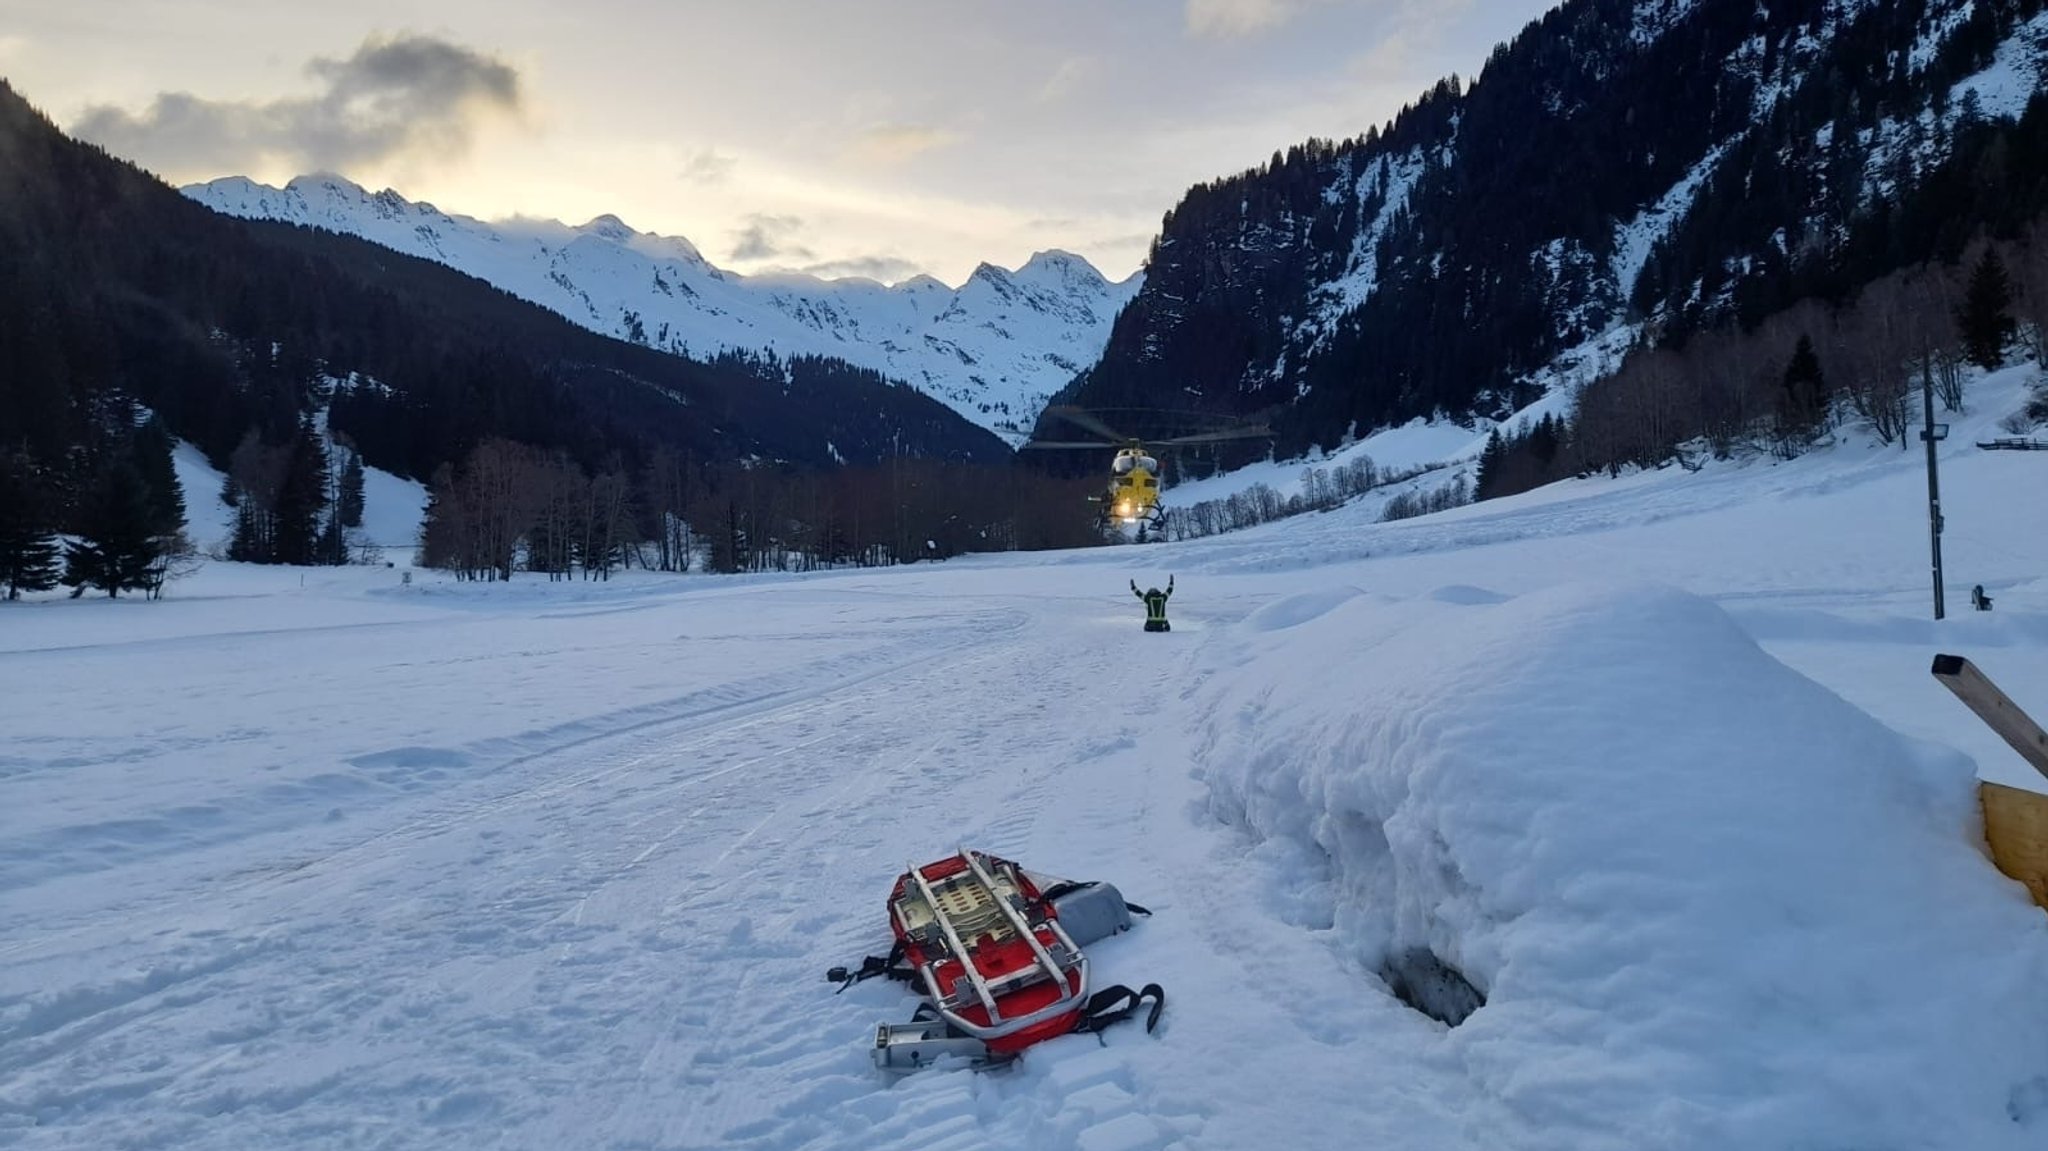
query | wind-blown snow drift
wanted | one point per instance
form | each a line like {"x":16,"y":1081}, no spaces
{"x":1711,"y":904}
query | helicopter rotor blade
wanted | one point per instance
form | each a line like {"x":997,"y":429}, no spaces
{"x":1083,"y":418}
{"x":1067,"y":445}
{"x":1215,"y":437}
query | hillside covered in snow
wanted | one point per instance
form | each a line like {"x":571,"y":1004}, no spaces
{"x":992,"y":349}
{"x":1619,"y":170}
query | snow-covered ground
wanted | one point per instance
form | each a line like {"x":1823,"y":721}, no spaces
{"x":1655,"y":762}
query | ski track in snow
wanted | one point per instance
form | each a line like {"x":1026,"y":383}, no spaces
{"x":590,"y":933}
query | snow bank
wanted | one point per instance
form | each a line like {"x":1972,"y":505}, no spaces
{"x":1710,"y":903}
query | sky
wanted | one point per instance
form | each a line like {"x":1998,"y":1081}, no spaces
{"x":882,"y":138}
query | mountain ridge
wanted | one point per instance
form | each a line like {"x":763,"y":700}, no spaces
{"x":993,"y":349}
{"x":1619,"y":170}
{"x":132,"y":295}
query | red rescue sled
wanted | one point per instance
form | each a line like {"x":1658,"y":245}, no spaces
{"x":984,"y":941}
{"x":989,"y":951}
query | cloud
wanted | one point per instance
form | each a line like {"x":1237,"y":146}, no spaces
{"x":709,"y":166}
{"x":1125,"y":241}
{"x":888,"y":269}
{"x":767,"y":238}
{"x":1066,"y":79}
{"x":1223,"y":19}
{"x":409,"y":97}
{"x":1395,"y":55}
{"x":896,"y":143}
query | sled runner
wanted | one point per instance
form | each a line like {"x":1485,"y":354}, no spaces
{"x":996,"y":953}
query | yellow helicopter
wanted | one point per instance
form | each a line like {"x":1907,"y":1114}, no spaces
{"x":1132,"y":495}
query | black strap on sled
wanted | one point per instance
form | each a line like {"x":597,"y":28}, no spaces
{"x":889,"y":966}
{"x":1116,"y":1004}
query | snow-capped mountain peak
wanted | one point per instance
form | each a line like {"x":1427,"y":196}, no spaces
{"x":1056,"y":263}
{"x":994,"y":349}
{"x":609,"y":227}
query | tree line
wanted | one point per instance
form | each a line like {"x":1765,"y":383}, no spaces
{"x":1321,"y":490}
{"x":510,"y":507}
{"x":113,"y":521}
{"x":296,"y":502}
{"x":1489,"y":216}
{"x":1796,"y":377}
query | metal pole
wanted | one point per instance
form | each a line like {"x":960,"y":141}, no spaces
{"x":1933,"y":478}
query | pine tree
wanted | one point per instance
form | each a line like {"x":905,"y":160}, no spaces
{"x":152,"y":452}
{"x":28,"y":549}
{"x":152,"y":449}
{"x":351,"y":491}
{"x":1490,"y":459}
{"x":1545,"y":440}
{"x":118,"y":547}
{"x":332,"y":546}
{"x":255,"y":473}
{"x":246,"y":544}
{"x":301,"y":497}
{"x":1984,"y":318}
{"x":1804,"y":405}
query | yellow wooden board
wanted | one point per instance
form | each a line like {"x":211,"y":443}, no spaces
{"x":2016,"y":826}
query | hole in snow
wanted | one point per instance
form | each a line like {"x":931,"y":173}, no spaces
{"x":1425,"y":982}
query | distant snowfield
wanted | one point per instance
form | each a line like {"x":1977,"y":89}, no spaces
{"x":1656,"y":762}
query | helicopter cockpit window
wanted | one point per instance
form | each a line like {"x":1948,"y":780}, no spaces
{"x":1124,"y":464}
{"x":1148,"y":463}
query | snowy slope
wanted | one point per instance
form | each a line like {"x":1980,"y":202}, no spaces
{"x":1319,"y":282}
{"x":1655,"y":762}
{"x":392,"y":507}
{"x":993,"y":349}
{"x":1439,"y":449}
{"x":209,"y":521}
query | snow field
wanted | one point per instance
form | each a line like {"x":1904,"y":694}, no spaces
{"x":324,"y":860}
{"x":608,"y":929}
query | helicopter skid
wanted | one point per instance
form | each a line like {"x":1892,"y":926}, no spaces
{"x":1154,"y":519}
